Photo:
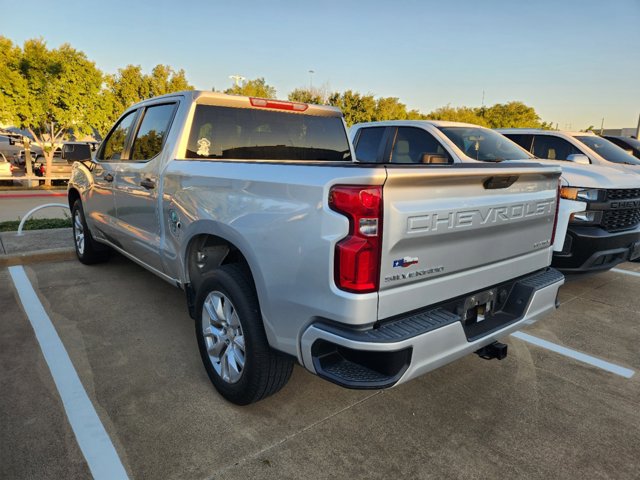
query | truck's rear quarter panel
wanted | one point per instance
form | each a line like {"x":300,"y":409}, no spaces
{"x":277,"y":215}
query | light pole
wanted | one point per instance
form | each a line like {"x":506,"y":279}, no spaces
{"x":311,"y":72}
{"x":237,"y":79}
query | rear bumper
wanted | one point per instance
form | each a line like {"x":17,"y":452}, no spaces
{"x":408,"y":346}
{"x":592,"y":248}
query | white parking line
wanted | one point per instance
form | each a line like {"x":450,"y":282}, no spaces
{"x":91,"y":436}
{"x":626,"y":272}
{"x":581,"y":357}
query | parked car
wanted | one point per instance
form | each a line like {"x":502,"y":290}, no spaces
{"x":367,"y":275}
{"x":580,"y":147}
{"x":36,"y":156}
{"x":60,"y":169}
{"x":6,"y":170}
{"x":628,"y":144}
{"x":599,"y":218}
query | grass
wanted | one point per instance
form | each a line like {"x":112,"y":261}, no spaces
{"x":35,"y":224}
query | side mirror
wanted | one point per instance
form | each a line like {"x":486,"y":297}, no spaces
{"x":434,"y":158}
{"x":579,"y":158}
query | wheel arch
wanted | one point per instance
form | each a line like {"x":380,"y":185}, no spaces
{"x":220,"y":245}
{"x":72,"y":195}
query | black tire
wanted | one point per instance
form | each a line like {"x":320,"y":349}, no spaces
{"x":88,"y":250}
{"x":264,"y":371}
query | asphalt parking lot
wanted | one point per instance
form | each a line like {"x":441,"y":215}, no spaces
{"x":536,"y":414}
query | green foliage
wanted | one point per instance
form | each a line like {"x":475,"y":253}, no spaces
{"x":458,"y":114}
{"x":48,"y":92}
{"x":253,"y":88}
{"x":35,"y":224}
{"x":63,"y":89}
{"x":13,"y":87}
{"x":511,"y":115}
{"x":390,"y":108}
{"x":356,"y":108}
{"x":131,"y":86}
{"x":308,"y":95}
{"x":359,"y":108}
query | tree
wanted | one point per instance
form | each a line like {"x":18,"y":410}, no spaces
{"x":390,"y":108}
{"x":54,"y":91}
{"x":457,"y":114}
{"x":13,"y":87}
{"x":130,"y":85}
{"x":164,"y":79}
{"x":511,"y":115}
{"x":356,"y":108}
{"x":253,"y":88}
{"x":315,"y":96}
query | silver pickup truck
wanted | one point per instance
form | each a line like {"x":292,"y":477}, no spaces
{"x":287,"y":249}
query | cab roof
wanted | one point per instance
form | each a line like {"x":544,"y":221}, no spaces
{"x":547,"y":132}
{"x":205,"y":97}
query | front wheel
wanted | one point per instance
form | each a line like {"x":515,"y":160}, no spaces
{"x":232,"y":342}
{"x":88,"y":250}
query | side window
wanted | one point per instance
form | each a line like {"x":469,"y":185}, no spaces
{"x":521,"y":139}
{"x":414,"y":145}
{"x":552,"y":148}
{"x":368,"y":144}
{"x":115,"y":142}
{"x":152,"y":132}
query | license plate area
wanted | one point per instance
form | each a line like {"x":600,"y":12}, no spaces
{"x":482,"y":306}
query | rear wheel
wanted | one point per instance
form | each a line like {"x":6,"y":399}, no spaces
{"x":232,"y":342}
{"x":88,"y":250}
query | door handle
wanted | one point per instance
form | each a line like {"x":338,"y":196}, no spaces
{"x":148,"y":184}
{"x":108,"y":177}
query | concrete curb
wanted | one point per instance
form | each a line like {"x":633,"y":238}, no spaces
{"x":51,"y":255}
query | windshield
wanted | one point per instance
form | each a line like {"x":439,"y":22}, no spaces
{"x":484,"y":144}
{"x":608,"y":150}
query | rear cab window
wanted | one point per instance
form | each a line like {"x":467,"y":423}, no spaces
{"x":252,"y":134}
{"x":368,"y":144}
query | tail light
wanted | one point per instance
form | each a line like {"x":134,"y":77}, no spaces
{"x":278,"y":104}
{"x":555,"y":218}
{"x":357,"y":256}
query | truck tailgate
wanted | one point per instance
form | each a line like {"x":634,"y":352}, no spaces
{"x":452,"y":230}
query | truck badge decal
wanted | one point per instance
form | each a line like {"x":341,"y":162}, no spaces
{"x":405,"y":262}
{"x":203,"y":147}
{"x":415,"y":274}
{"x":477,"y":217}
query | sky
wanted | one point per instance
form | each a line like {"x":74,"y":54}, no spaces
{"x":575,"y":61}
